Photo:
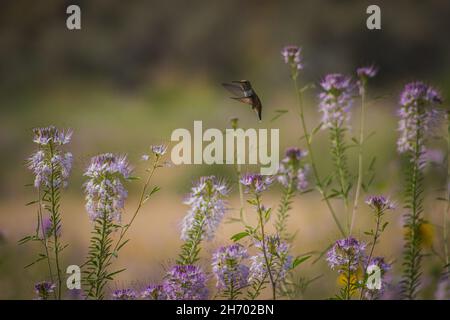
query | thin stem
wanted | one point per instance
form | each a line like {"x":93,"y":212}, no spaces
{"x":191,"y":257}
{"x":141,"y":202}
{"x":241,"y":194}
{"x":319,"y":185}
{"x":360,"y":158}
{"x":349,"y":281}
{"x":413,"y":256}
{"x":264,"y":248}
{"x":106,"y":231}
{"x":283,"y":209}
{"x":55,"y":223}
{"x":338,"y":150}
{"x":234,"y":125}
{"x":446,"y":213}
{"x":258,"y":288}
{"x":375,"y":240}
{"x":44,"y":238}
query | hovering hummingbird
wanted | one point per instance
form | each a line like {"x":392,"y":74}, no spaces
{"x":245,"y":93}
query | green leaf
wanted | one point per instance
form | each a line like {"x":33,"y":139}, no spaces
{"x":279,"y":113}
{"x":133,"y":178}
{"x":299,"y":260}
{"x":154,"y":190}
{"x":32,"y":202}
{"x":239,"y":236}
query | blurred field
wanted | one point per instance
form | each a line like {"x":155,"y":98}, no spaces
{"x":137,"y":72}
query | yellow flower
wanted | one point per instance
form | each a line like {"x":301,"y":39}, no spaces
{"x":426,"y":234}
{"x":354,"y":278}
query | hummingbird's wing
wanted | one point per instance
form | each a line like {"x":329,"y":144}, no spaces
{"x":245,"y":84}
{"x":235,"y":89}
{"x":247,"y":100}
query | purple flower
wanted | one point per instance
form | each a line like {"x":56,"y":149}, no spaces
{"x":207,"y":207}
{"x":292,"y":56}
{"x":443,"y":288}
{"x":229,"y":268}
{"x":277,"y":252}
{"x":367,"y":72}
{"x":105,"y":193}
{"x":417,"y":93}
{"x":154,"y":292}
{"x":124,"y":294}
{"x":380,"y":263}
{"x":44,"y":289}
{"x":346,"y":254}
{"x":336,"y":100}
{"x":418,"y":116}
{"x":51,"y":135}
{"x":292,"y":170}
{"x":47,"y":228}
{"x":255,"y":182}
{"x":185,"y":282}
{"x":364,"y":74}
{"x":49,"y":164}
{"x":159,"y":150}
{"x":435,"y":156}
{"x":380,"y":203}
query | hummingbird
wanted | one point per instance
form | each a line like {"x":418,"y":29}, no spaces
{"x":245,"y":93}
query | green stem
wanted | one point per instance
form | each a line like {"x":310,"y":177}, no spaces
{"x":44,"y":238}
{"x":339,"y":150}
{"x":140,"y":204}
{"x":319,"y":185}
{"x":446,"y":213}
{"x":283,"y":209}
{"x":258,"y":288}
{"x":375,"y":240}
{"x":192,"y":255}
{"x":360,"y":158}
{"x":103,"y":254}
{"x":413,"y":256}
{"x":55,"y":223}
{"x":264,"y":248}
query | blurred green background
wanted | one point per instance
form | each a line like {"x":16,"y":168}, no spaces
{"x":139,"y":69}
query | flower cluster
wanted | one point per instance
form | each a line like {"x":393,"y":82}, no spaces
{"x":228,"y":267}
{"x":293,"y":172}
{"x":418,"y":116}
{"x":380,"y":203}
{"x":336,"y":100}
{"x":346,"y":254}
{"x":124,"y":294}
{"x":154,"y":292}
{"x":256,"y":183}
{"x":280,"y":261}
{"x":51,"y":135}
{"x":105,"y":193}
{"x":207,"y":207}
{"x":157,"y":150}
{"x":51,"y":166}
{"x":185,"y":282}
{"x":44,"y":289}
{"x":292,"y":56}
